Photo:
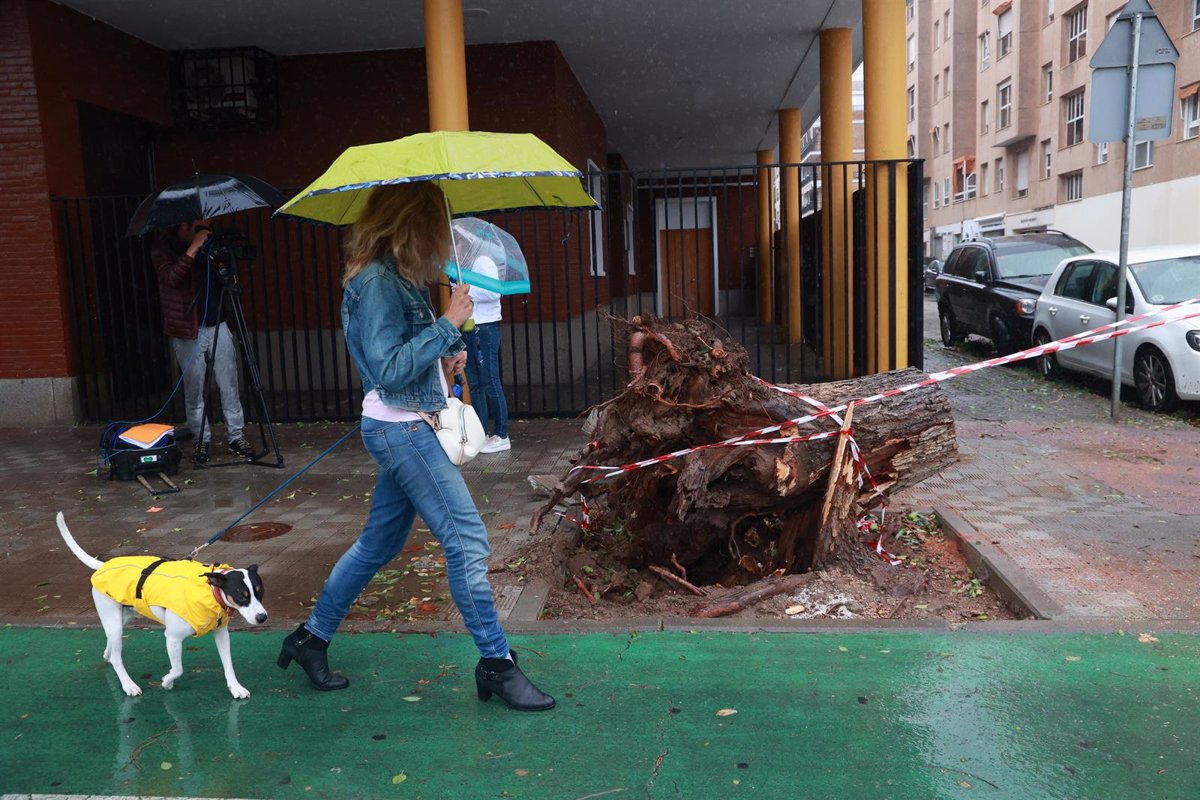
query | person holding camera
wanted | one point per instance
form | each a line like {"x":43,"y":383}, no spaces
{"x":398,"y":248}
{"x":189,"y":292}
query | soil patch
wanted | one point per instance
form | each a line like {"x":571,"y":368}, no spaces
{"x":931,"y":580}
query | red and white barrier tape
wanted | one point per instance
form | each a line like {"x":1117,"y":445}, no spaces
{"x":754,"y":437}
{"x":1114,"y":330}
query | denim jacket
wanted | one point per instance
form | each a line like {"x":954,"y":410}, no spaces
{"x":394,"y":338}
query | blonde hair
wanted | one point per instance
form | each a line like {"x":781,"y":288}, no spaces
{"x":407,"y":221}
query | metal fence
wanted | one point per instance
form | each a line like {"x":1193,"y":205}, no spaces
{"x":672,"y":243}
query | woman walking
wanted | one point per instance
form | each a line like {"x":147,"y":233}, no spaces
{"x":403,"y":352}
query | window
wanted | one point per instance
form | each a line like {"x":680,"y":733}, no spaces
{"x":946,"y":25}
{"x":946,"y":138}
{"x":985,"y":50}
{"x":1074,"y":282}
{"x":937,"y":87}
{"x":1073,"y":114}
{"x":946,"y":189}
{"x":946,"y":81}
{"x":1004,"y":104}
{"x":983,"y":179}
{"x":937,"y":194}
{"x":1076,"y":28}
{"x":1047,"y":155}
{"x":937,"y":34}
{"x":1049,"y":11}
{"x":1143,"y":155}
{"x":908,"y":9}
{"x":1111,"y":19}
{"x":937,"y":138}
{"x":1191,"y":112}
{"x":984,"y":121}
{"x":1196,"y":15}
{"x":912,"y":147}
{"x":1004,"y":32}
{"x":912,"y":52}
{"x":596,"y":218}
{"x":1047,"y":83}
{"x":1022,"y":183}
{"x":1072,"y":187}
{"x":912,"y":103}
{"x":1102,"y":153}
{"x":999,"y":174}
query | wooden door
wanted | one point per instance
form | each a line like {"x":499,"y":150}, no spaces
{"x":687,"y":260}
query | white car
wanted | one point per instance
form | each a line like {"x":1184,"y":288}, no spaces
{"x":1162,"y":363}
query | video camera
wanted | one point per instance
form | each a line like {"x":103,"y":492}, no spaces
{"x":223,"y":249}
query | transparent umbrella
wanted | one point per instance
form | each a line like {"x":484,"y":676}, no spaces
{"x":487,"y":256}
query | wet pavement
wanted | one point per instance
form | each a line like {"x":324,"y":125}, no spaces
{"x":698,"y":714}
{"x":1103,"y":517}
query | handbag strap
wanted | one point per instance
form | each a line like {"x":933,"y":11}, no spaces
{"x":431,"y":419}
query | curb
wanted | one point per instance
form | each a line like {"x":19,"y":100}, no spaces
{"x":998,"y":571}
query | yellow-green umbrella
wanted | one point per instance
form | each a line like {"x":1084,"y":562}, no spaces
{"x":477,"y":172}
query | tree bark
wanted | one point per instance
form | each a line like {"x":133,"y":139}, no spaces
{"x":734,"y":515}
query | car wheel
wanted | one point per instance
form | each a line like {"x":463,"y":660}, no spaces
{"x":950,"y":334}
{"x":1154,"y":381}
{"x":1001,"y":338}
{"x":1047,"y":365}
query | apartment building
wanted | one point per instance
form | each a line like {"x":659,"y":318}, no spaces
{"x":998,"y":105}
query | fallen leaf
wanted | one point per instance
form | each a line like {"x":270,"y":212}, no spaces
{"x":166,"y":765}
{"x":843,"y":648}
{"x":413,"y":698}
{"x":153,"y":510}
{"x":506,"y":526}
{"x":1146,"y":638}
{"x":726,"y":712}
{"x":790,"y":610}
{"x":521,"y":772}
{"x":1073,"y":658}
{"x":964,"y":784}
{"x":401,"y":778}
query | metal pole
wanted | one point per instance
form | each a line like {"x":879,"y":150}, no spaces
{"x":1126,"y":198}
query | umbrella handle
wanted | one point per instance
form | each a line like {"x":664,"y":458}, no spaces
{"x":469,"y":325}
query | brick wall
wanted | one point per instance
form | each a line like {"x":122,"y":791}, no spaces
{"x":31,"y":313}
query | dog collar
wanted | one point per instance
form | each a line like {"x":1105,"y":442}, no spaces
{"x":217,"y":595}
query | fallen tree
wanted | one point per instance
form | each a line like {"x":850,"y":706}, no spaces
{"x":738,"y":515}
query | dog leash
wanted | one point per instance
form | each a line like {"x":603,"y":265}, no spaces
{"x":216,"y":536}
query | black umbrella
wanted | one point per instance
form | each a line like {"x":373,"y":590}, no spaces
{"x":202,"y":197}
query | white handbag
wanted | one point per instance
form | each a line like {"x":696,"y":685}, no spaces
{"x":458,"y":429}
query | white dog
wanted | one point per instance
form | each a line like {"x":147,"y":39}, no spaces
{"x":188,"y":598}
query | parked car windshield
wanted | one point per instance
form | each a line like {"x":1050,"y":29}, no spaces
{"x":1168,"y":281}
{"x":1034,"y":259}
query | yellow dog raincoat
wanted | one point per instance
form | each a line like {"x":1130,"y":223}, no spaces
{"x":178,"y":586}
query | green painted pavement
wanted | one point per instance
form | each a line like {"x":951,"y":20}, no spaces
{"x":843,"y":715}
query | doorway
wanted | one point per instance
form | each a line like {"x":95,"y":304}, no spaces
{"x":687,"y":257}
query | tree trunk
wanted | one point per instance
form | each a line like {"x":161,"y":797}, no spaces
{"x":734,"y":515}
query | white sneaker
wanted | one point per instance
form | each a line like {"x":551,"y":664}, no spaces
{"x":495,"y":444}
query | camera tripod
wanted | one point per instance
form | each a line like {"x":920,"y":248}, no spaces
{"x":229,"y":300}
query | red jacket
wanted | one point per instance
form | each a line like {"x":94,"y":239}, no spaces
{"x":176,"y":288}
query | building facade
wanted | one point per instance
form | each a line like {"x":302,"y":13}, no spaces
{"x":998,"y":104}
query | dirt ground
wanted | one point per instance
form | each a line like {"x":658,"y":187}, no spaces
{"x":930,"y":580}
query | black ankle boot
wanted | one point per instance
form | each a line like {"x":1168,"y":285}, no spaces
{"x":309,"y":652}
{"x":504,"y":678}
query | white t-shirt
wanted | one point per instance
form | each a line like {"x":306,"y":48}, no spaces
{"x":487,"y":303}
{"x":373,"y":406}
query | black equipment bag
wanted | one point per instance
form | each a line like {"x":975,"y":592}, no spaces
{"x":126,"y":461}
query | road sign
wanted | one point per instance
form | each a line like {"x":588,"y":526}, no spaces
{"x":1154,"y":108}
{"x":1156,"y":46}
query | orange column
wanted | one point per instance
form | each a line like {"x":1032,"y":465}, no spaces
{"x":837,"y":185}
{"x":446,"y":75}
{"x":884,"y":71}
{"x":766,"y":219}
{"x":790,"y":153}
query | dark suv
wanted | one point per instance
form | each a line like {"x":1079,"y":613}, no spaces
{"x":990,"y":287}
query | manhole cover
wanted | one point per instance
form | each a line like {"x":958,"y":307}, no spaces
{"x":257,"y":531}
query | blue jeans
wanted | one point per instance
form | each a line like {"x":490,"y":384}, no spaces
{"x":416,"y":477}
{"x":483,"y":375}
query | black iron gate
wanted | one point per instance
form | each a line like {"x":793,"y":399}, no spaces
{"x":672,"y":243}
